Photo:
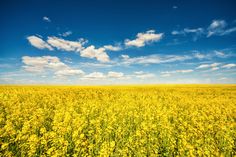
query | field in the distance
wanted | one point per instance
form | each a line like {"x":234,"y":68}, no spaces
{"x":174,"y":120}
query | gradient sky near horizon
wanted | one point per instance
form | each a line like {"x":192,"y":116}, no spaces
{"x":117,"y":42}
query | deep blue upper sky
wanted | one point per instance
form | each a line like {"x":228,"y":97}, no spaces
{"x":180,"y":41}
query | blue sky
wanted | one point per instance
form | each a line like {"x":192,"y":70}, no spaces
{"x":117,"y":42}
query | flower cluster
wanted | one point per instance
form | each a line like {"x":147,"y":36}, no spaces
{"x":184,"y":120}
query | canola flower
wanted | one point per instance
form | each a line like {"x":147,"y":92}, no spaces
{"x":174,"y":120}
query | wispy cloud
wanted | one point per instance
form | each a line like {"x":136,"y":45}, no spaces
{"x":175,"y":7}
{"x":213,"y":66}
{"x":47,"y":19}
{"x":66,"y":34}
{"x":216,"y":28}
{"x":95,"y":76}
{"x":69,"y":72}
{"x":144,"y":38}
{"x":177,"y":71}
{"x":102,"y":76}
{"x":112,"y":48}
{"x":219,"y":27}
{"x":39,"y":43}
{"x":153,"y":59}
{"x":196,"y":32}
{"x":95,"y":65}
{"x":228,"y":66}
{"x":212,"y":54}
{"x":143,"y":75}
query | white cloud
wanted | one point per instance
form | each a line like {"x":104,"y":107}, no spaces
{"x":95,"y":75}
{"x":139,"y":72}
{"x":95,"y":65}
{"x":197,"y":32}
{"x":216,"y":27}
{"x":188,"y":30}
{"x":143,"y":75}
{"x":184,"y":71}
{"x":228,"y":31}
{"x":143,"y":38}
{"x":165,"y":75}
{"x":200,"y":55}
{"x":113,"y":74}
{"x":66,"y":45}
{"x":92,"y":52}
{"x":217,"y":24}
{"x":178,"y":71}
{"x":223,"y":78}
{"x":177,"y":32}
{"x":41,"y":64}
{"x":102,"y":76}
{"x":112,"y":48}
{"x":65,"y":34}
{"x":38,"y":43}
{"x":125,"y":56}
{"x":203,"y":66}
{"x":212,"y":54}
{"x":154,"y":59}
{"x":213,"y":66}
{"x":220,"y":54}
{"x":45,"y":18}
{"x":228,"y":66}
{"x":69,"y":72}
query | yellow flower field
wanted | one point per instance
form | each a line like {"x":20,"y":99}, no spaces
{"x":164,"y":120}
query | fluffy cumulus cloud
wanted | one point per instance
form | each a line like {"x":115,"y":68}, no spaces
{"x":92,"y":52}
{"x":38,"y":43}
{"x":39,"y":64}
{"x":143,"y":38}
{"x":66,"y":45}
{"x":44,"y":63}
